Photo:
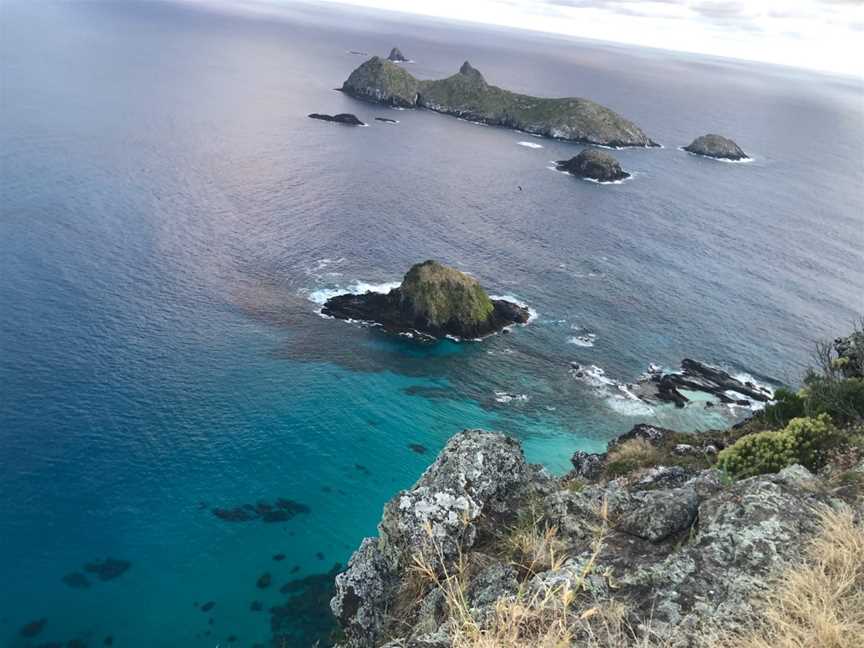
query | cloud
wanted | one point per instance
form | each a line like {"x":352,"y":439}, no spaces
{"x":816,"y":34}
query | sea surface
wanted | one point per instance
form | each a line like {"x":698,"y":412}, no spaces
{"x":170,"y":221}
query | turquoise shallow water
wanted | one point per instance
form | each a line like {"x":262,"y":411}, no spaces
{"x":169,"y":216}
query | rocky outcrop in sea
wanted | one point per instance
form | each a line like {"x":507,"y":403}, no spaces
{"x":716,"y":146}
{"x":466,"y":94}
{"x":342,"y":118}
{"x":433,"y":301}
{"x":677,"y":553}
{"x":397,"y":56}
{"x":594,"y":164}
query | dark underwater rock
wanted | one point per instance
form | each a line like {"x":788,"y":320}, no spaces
{"x":433,"y":300}
{"x":716,"y":146}
{"x":76,"y":580}
{"x":418,"y":448}
{"x":304,"y":618}
{"x":107,"y":569}
{"x":33,"y":628}
{"x":239,"y":514}
{"x":209,"y":605}
{"x":342,"y":118}
{"x":279,"y":557}
{"x":256,"y":606}
{"x":396,"y":56}
{"x":467,"y":95}
{"x":264,"y":580}
{"x":281,"y":510}
{"x":594,"y":164}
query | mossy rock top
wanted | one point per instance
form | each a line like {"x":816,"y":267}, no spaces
{"x":440,"y":294}
{"x":434,"y":301}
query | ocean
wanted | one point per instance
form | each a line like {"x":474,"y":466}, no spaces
{"x":170,"y":222}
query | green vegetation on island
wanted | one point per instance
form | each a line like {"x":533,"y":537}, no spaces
{"x":433,"y":301}
{"x":468,"y":95}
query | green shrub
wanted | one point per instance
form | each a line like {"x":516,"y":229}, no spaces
{"x":804,"y":441}
{"x":786,"y":406}
{"x":841,"y":399}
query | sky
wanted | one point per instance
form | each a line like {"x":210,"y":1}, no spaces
{"x":824,"y":35}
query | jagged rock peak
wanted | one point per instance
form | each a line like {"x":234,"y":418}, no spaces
{"x":470,"y":71}
{"x":396,"y":55}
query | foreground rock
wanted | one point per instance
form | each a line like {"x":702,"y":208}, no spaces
{"x":433,"y":300}
{"x":396,"y":56}
{"x":478,"y":476}
{"x":716,"y":146}
{"x":594,"y":164}
{"x":342,"y":118}
{"x":677,"y":560}
{"x":468,"y":95}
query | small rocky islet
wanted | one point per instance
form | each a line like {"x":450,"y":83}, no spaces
{"x":594,"y":164}
{"x":342,"y":118}
{"x":433,"y":301}
{"x":717,"y":147}
{"x":396,"y":56}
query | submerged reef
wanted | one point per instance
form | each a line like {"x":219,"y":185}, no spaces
{"x":281,"y":510}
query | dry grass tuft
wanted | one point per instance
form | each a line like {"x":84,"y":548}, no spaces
{"x":631,"y":455}
{"x":819,"y":603}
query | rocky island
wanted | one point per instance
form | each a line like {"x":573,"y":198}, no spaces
{"x":716,"y":146}
{"x":468,"y":95}
{"x":433,"y":300}
{"x":342,"y":118}
{"x":594,"y":164}
{"x":397,"y":56}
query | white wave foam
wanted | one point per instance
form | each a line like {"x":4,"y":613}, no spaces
{"x":506,"y":397}
{"x":585,"y":340}
{"x":745,"y":160}
{"x":617,"y":395}
{"x":321,"y":295}
{"x":530,"y":145}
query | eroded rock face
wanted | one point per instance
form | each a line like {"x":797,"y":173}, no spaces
{"x":433,"y":300}
{"x":594,"y":164}
{"x":716,"y":146}
{"x":477,"y":474}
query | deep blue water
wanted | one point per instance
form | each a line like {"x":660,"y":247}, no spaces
{"x":168,"y":214}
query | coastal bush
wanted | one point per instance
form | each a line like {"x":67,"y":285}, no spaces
{"x":786,"y":406}
{"x":841,"y":399}
{"x":805,"y":440}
